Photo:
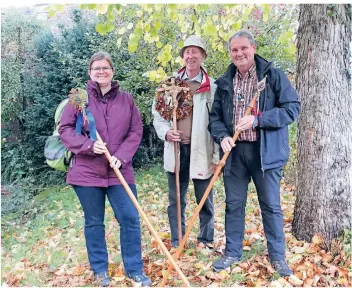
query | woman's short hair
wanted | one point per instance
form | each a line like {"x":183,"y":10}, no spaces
{"x":101,"y":55}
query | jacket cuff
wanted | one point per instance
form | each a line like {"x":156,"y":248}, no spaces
{"x":123,"y":160}
{"x":164,"y":132}
{"x":88,"y":148}
{"x":222,"y":137}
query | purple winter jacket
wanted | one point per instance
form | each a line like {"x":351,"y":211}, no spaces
{"x":119,"y":124}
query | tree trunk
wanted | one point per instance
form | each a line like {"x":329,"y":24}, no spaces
{"x":323,"y":80}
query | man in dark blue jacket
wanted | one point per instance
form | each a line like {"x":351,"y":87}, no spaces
{"x":261,"y":150}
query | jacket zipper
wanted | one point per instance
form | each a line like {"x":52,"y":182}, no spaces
{"x":261,"y":133}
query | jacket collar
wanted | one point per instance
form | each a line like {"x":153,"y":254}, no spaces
{"x":226,"y":80}
{"x":205,"y":85}
{"x":94,"y":90}
{"x":198,"y":78}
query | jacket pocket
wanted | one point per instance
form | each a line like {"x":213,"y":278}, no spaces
{"x":86,"y":166}
{"x":285,"y":147}
{"x":276,"y":149}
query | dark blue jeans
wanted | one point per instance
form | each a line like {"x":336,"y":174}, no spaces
{"x":246,"y":164}
{"x":93,"y":203}
{"x":206,"y":214}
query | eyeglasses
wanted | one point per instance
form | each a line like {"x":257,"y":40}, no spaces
{"x":105,"y":68}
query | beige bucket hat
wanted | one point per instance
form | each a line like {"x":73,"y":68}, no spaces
{"x":193,"y":40}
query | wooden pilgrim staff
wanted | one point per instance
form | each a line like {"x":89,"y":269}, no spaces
{"x":174,"y":90}
{"x":260,"y":87}
{"x":79,"y":100}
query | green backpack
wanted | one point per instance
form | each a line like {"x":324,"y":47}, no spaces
{"x":56,"y":154}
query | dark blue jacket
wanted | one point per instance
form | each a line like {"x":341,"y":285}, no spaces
{"x":279,"y":107}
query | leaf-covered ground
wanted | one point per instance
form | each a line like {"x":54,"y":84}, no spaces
{"x":43,"y":244}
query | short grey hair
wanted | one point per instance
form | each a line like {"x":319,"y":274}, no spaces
{"x":241,"y":33}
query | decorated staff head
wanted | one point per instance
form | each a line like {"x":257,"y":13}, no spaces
{"x":78,"y":98}
{"x":164,"y":99}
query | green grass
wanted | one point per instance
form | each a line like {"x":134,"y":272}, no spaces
{"x":275,"y":276}
{"x":256,"y":248}
{"x":234,"y":280}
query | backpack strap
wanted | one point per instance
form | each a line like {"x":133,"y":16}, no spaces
{"x":59,"y":111}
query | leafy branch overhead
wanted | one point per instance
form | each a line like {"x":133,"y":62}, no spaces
{"x":144,"y":26}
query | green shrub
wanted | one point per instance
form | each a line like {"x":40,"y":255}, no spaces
{"x":39,"y":68}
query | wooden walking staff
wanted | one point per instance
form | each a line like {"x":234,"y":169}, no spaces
{"x":78,"y":101}
{"x":260,"y":87}
{"x":174,"y":90}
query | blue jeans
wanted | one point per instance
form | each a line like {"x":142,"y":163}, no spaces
{"x":93,"y":203}
{"x":206,"y":214}
{"x":245,"y":164}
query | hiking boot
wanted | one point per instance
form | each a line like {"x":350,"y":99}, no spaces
{"x":102,"y":279}
{"x":225,"y":262}
{"x":141,"y":280}
{"x":281,"y":267}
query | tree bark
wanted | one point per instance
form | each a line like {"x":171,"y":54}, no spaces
{"x":323,"y":203}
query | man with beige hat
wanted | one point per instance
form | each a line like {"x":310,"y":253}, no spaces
{"x":199,"y":155}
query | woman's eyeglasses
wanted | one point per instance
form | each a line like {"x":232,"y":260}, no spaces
{"x":106,"y":68}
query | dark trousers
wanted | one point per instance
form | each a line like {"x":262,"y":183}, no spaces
{"x":93,"y":203}
{"x":206,"y":215}
{"x":246,"y":164}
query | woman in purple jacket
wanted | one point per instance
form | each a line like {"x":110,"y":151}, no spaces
{"x":119,"y":124}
